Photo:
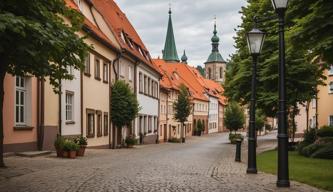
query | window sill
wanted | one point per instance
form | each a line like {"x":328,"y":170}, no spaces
{"x":70,"y":122}
{"x":106,"y":82}
{"x":23,"y":128}
{"x":98,"y":78}
{"x":99,"y":135}
{"x":87,"y":74}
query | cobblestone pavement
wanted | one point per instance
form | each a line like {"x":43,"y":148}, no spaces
{"x":202,"y":164}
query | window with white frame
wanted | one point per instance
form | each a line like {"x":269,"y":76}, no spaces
{"x":20,"y":101}
{"x":87,"y":65}
{"x":69,"y":101}
{"x":105,"y":72}
{"x":330,"y":72}
{"x":97,"y":68}
{"x":140,"y":83}
{"x":330,"y":90}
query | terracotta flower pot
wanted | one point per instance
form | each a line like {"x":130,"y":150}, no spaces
{"x":65,"y":154}
{"x":81,"y":151}
{"x":72,"y":154}
{"x":130,"y":146}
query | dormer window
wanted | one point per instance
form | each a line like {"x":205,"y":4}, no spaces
{"x":130,"y":43}
{"x":176,"y":75}
{"x":122,"y":35}
{"x":141,"y":51}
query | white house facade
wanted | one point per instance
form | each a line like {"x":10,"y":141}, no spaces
{"x":71,"y":105}
{"x":147,"y":90}
{"x":213,"y":115}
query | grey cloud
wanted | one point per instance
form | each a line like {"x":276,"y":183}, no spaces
{"x":192,"y":21}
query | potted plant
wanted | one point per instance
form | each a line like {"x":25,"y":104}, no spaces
{"x":70,"y":148}
{"x":199,"y":128}
{"x":82,"y":142}
{"x":130,"y":141}
{"x":59,"y":145}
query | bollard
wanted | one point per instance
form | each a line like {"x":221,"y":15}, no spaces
{"x":238,"y":150}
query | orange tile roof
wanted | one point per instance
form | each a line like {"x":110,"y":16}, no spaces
{"x":92,"y":27}
{"x":123,"y":30}
{"x":176,"y":74}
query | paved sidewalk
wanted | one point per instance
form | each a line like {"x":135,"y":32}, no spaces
{"x":202,"y":164}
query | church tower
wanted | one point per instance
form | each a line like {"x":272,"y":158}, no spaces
{"x":170,"y":51}
{"x":215,"y":65}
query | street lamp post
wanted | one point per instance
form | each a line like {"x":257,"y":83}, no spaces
{"x":280,"y":7}
{"x":255,"y":40}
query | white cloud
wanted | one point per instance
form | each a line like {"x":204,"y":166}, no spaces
{"x":192,"y":22}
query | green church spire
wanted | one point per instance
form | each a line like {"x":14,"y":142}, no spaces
{"x":170,"y":51}
{"x":215,"y":56}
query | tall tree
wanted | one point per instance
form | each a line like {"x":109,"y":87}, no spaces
{"x":234,"y":117}
{"x":302,"y":75}
{"x":313,"y":27}
{"x":182,"y":108}
{"x":36,"y":40}
{"x":124,"y":104}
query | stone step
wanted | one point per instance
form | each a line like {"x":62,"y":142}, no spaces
{"x":33,"y":153}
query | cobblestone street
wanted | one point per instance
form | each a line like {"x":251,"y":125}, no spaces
{"x":202,"y":164}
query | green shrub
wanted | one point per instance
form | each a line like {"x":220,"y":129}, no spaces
{"x":310,"y":149}
{"x":130,"y":140}
{"x":81,"y":140}
{"x":325,"y":131}
{"x":59,"y":142}
{"x":234,"y":136}
{"x":70,"y":145}
{"x":174,"y":140}
{"x":324,"y":140}
{"x":310,"y":136}
{"x":301,"y":146}
{"x":325,"y":152}
{"x":234,"y":117}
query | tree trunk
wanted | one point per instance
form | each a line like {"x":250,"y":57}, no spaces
{"x":183,"y":133}
{"x":2,"y":93}
{"x":307,"y":115}
{"x":294,"y":122}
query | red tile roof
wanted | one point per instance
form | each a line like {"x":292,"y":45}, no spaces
{"x":176,"y":74}
{"x":123,"y":30}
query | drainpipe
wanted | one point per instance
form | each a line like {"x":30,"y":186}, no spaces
{"x":81,"y":101}
{"x":317,"y":109}
{"x":42,"y":114}
{"x":38,"y":114}
{"x":60,"y":103}
{"x":114,"y":65}
{"x":109,"y":123}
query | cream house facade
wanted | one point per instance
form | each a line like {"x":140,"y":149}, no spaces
{"x":318,"y":111}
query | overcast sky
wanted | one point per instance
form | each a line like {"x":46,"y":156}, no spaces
{"x":193,"y":22}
